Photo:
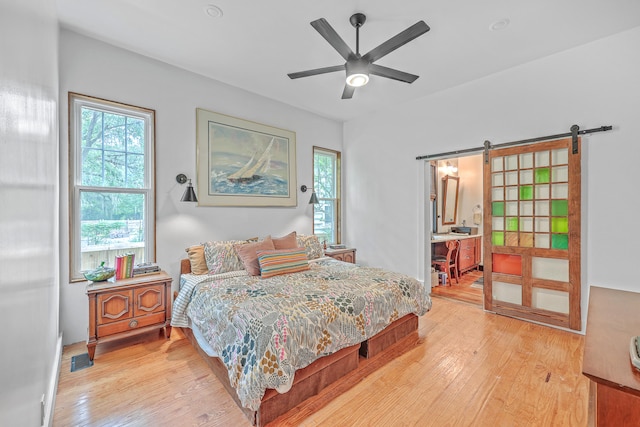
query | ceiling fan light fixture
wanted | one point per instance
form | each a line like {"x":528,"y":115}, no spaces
{"x":357,"y":79}
{"x":357,"y":73}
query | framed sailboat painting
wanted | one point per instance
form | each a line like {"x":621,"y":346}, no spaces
{"x":243,"y":163}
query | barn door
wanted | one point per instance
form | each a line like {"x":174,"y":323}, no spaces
{"x":532,"y":232}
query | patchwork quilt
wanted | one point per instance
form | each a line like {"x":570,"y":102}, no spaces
{"x":265,"y":329}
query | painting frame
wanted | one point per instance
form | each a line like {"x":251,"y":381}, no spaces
{"x":244,"y":163}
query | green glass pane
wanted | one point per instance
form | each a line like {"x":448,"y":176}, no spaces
{"x":560,"y":241}
{"x":559,"y":225}
{"x":512,"y":224}
{"x":559,"y":207}
{"x":497,"y":208}
{"x":497,"y":238}
{"x":542,"y":175}
{"x":526,"y":192}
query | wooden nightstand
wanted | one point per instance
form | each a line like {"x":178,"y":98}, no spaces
{"x":346,"y":255}
{"x":118,"y":309}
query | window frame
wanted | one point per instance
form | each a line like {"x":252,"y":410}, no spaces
{"x":337,"y":214}
{"x":76,"y":103}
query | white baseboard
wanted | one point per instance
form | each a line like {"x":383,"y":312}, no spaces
{"x":50,"y":399}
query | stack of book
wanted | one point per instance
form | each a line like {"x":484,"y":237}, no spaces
{"x":145,"y":268}
{"x":337,"y":246}
{"x":124,"y":266}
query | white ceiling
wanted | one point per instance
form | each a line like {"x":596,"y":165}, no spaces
{"x":257,"y":42}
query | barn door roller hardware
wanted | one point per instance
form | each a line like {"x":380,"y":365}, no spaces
{"x":574,"y":132}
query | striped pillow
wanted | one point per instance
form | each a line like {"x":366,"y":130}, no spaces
{"x":282,"y":261}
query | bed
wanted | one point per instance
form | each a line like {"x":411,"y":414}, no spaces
{"x":275,"y":341}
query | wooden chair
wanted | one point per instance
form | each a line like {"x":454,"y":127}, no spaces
{"x":448,"y":263}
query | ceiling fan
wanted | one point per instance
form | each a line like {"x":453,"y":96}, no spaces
{"x":358,"y":67}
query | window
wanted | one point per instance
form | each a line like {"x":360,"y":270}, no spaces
{"x":112,"y":205}
{"x":326,"y":183}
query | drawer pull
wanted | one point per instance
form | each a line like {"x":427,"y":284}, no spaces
{"x":133,"y":323}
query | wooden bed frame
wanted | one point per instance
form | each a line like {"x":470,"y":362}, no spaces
{"x":311,"y":380}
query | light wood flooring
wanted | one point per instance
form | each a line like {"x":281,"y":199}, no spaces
{"x":462,"y":291}
{"x":469,"y":368}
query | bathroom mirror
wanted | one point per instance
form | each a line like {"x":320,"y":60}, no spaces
{"x":449,"y":199}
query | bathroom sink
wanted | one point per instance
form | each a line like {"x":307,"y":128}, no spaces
{"x":465,"y":230}
{"x":441,"y":237}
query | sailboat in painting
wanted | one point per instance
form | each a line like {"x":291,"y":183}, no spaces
{"x":249,"y":172}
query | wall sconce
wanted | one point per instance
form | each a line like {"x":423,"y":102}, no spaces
{"x":451,"y":168}
{"x":314,"y":199}
{"x":189,"y":195}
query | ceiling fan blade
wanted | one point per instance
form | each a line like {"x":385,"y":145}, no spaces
{"x":316,"y":71}
{"x":347,"y":93}
{"x":390,"y":73}
{"x":322,"y":26}
{"x":402,"y":38}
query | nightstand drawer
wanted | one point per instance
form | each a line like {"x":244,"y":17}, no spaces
{"x":149,"y":299}
{"x":130,"y":324}
{"x":115,"y":306}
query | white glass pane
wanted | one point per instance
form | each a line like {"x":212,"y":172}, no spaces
{"x":511,"y":162}
{"x":497,"y":223}
{"x":559,"y":191}
{"x":542,"y":208}
{"x":526,"y":160}
{"x":511,"y":208}
{"x":542,"y":158}
{"x":507,"y":292}
{"x":111,"y":225}
{"x":526,"y":176}
{"x":526,"y":224}
{"x":550,"y":299}
{"x":560,"y":174}
{"x":550,"y":269}
{"x":512,"y":193}
{"x":542,"y":225}
{"x":323,"y":221}
{"x":542,"y":241}
{"x":496,"y":164}
{"x":541,"y":191}
{"x":511,"y":178}
{"x":497,"y":194}
{"x":560,"y":156}
{"x":526,"y":208}
{"x":497,"y":179}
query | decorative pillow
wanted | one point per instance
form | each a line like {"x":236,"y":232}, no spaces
{"x":197,"y":260}
{"x":249,"y":256}
{"x":312,"y":245}
{"x":282,"y":261}
{"x":286,"y":242}
{"x":221,"y":256}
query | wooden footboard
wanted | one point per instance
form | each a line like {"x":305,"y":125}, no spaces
{"x":389,"y":336}
{"x":311,"y":380}
{"x":308,"y":381}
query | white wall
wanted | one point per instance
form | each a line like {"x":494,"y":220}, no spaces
{"x":29,"y":275}
{"x":93,"y":68}
{"x":470,"y":173}
{"x":592,"y":85}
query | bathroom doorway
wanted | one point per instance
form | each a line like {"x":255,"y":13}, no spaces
{"x":462,"y":222}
